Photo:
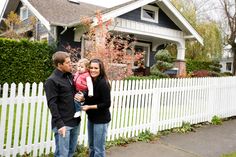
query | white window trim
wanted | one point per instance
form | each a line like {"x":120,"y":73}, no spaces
{"x":147,"y":64}
{"x":22,"y":9}
{"x":151,"y":8}
{"x":44,"y":36}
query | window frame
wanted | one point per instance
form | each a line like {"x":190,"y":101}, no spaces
{"x":22,"y":9}
{"x":41,"y":38}
{"x":153,"y":9}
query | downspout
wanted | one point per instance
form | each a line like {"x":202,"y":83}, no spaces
{"x":36,"y":29}
{"x":83,"y":46}
{"x":65,"y":28}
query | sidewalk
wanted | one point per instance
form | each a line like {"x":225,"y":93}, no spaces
{"x":207,"y":141}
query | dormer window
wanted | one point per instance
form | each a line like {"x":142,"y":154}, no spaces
{"x":23,"y":13}
{"x":149,"y":13}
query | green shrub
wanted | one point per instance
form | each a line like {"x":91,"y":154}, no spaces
{"x":24,"y":61}
{"x":186,"y":127}
{"x":164,"y":62}
{"x":226,"y":74}
{"x":203,"y":68}
{"x":216,"y":120}
{"x":192,"y":65}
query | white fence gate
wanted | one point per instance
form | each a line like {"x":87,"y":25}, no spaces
{"x":136,"y":106}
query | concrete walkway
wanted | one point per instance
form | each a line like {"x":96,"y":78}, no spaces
{"x":207,"y":141}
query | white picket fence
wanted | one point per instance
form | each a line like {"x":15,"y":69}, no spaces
{"x":136,"y":106}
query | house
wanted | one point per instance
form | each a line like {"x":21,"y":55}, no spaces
{"x":227,"y":59}
{"x":153,"y":23}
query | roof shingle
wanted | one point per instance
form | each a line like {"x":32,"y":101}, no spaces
{"x":63,"y":12}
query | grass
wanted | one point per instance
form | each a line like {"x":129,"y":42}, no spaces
{"x":229,"y":155}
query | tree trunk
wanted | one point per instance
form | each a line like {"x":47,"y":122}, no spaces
{"x":234,"y":61}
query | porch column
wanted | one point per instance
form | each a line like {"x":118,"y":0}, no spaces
{"x":180,"y":60}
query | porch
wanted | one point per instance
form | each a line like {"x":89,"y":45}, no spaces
{"x":151,"y":38}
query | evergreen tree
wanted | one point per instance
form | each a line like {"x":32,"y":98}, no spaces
{"x":164,"y":62}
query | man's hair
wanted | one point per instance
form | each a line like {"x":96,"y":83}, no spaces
{"x":85,"y":62}
{"x":59,"y":57}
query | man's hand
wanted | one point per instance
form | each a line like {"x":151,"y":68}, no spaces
{"x":79,"y":97}
{"x":62,"y":131}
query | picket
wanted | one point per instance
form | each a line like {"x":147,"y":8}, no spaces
{"x":25,"y":118}
{"x":18,"y":117}
{"x":136,"y":106}
{"x":3,"y":118}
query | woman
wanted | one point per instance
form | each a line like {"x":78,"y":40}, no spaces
{"x":97,"y":109}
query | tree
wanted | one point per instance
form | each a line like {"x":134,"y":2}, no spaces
{"x":12,"y":20}
{"x":109,"y":47}
{"x":163,"y":62}
{"x":13,"y":23}
{"x":212,"y":49}
{"x":224,"y":13}
{"x":209,"y":30}
{"x":229,"y":10}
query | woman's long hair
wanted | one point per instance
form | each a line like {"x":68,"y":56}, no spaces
{"x":102,"y":74}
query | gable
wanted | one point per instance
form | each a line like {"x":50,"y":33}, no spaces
{"x":64,"y":13}
{"x":167,"y":8}
{"x":164,"y":20}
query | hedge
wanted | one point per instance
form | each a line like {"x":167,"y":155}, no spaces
{"x":24,"y":61}
{"x":192,"y":65}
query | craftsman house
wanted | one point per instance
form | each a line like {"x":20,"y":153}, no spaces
{"x":152,"y":22}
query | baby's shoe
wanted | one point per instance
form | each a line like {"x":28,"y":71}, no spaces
{"x":77,"y":114}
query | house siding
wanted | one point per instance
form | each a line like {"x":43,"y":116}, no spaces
{"x":26,"y":21}
{"x":163,"y":21}
{"x":42,"y":30}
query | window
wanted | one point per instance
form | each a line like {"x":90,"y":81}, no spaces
{"x":23,"y":13}
{"x":228,"y":66}
{"x":44,"y":37}
{"x":149,"y":13}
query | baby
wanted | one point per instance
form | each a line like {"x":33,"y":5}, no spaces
{"x":83,"y":82}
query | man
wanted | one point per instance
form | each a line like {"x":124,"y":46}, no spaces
{"x":60,"y":92}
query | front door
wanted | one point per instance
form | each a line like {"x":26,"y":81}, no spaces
{"x":143,"y":48}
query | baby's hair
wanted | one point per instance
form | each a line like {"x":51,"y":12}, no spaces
{"x":85,"y":62}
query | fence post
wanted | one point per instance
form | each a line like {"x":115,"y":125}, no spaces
{"x":212,"y":97}
{"x":155,"y":107}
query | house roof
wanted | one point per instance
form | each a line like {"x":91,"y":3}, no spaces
{"x":63,"y":12}
{"x":68,"y":14}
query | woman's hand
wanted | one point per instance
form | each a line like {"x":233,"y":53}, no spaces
{"x":85,"y":107}
{"x":88,"y":107}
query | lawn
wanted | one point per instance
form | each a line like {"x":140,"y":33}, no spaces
{"x":229,"y":155}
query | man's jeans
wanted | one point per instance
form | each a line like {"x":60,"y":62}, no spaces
{"x":96,"y":139}
{"x":65,"y":146}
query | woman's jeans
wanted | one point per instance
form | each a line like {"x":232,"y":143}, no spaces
{"x":66,"y":146}
{"x":97,"y":139}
